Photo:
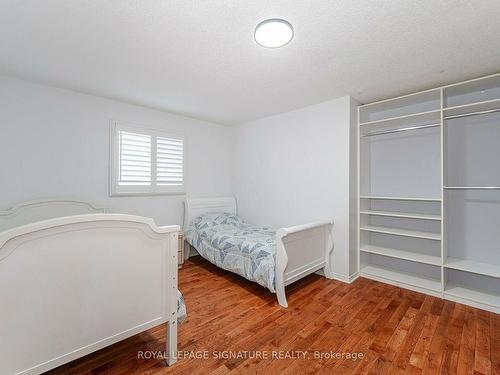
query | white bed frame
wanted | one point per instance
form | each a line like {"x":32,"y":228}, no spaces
{"x":300,"y":250}
{"x":72,"y":285}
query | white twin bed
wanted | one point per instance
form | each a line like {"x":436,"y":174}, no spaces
{"x":70,"y":285}
{"x":274,"y":259}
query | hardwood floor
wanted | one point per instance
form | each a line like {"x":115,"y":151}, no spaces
{"x":396,"y":330}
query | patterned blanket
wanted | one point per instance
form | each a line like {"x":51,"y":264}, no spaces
{"x":230,"y":243}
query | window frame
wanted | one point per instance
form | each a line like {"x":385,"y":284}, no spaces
{"x":140,"y":190}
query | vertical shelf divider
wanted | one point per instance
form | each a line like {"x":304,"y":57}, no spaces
{"x":443,"y":203}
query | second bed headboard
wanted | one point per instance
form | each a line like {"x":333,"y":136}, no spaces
{"x":32,"y":211}
{"x":194,"y":207}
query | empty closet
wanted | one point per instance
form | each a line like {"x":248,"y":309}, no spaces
{"x":429,"y":192}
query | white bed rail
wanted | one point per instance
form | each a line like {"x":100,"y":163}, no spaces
{"x":300,"y":251}
{"x":75,"y":284}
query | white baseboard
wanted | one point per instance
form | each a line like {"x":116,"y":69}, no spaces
{"x":353,"y":277}
{"x":344,"y":278}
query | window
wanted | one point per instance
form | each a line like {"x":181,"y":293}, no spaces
{"x":145,"y":161}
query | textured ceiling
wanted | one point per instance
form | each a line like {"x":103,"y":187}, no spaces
{"x":198,"y":58}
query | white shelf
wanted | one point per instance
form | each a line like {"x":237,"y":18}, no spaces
{"x":461,"y":293}
{"x":471,"y":107}
{"x":401,"y":214}
{"x":402,"y":232}
{"x":472,"y":266}
{"x":471,"y":187}
{"x":402,"y":98}
{"x":402,"y":254}
{"x":400,"y":277}
{"x":465,"y":87}
{"x":413,"y":118}
{"x":400,"y":198}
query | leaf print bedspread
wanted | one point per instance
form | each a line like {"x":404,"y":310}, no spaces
{"x":228,"y":242}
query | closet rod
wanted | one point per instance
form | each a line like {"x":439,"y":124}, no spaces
{"x":472,"y":187}
{"x":472,"y":114}
{"x":401,"y":130}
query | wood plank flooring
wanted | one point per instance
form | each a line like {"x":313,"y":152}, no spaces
{"x":396,"y":330}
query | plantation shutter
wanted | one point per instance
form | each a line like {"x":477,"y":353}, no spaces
{"x":134,"y":159}
{"x":169,"y":161}
{"x":146,"y":161}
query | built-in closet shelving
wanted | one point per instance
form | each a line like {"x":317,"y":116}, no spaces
{"x":429,"y":192}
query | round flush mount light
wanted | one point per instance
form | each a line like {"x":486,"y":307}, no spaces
{"x":273,"y":33}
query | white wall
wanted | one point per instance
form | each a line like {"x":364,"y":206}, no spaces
{"x":55,"y":143}
{"x":293,"y":168}
{"x":284,"y":170}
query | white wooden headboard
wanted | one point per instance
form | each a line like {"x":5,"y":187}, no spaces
{"x":33,"y":211}
{"x":194,"y":207}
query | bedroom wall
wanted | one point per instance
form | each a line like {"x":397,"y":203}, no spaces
{"x":55,"y":143}
{"x":284,"y":170}
{"x":294,"y":168}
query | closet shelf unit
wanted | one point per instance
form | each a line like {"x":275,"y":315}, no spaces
{"x":429,"y":192}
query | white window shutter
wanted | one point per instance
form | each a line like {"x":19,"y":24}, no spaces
{"x":134,"y":159}
{"x":145,"y":161}
{"x":169,"y":161}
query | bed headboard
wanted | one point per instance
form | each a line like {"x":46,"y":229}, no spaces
{"x":33,"y":211}
{"x":194,"y":207}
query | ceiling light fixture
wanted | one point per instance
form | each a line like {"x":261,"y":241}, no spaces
{"x":273,"y":33}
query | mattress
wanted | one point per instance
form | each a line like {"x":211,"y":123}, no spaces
{"x":230,"y":243}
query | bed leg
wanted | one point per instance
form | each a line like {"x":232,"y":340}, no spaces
{"x":328,"y":269}
{"x":328,"y":272}
{"x":280,"y":293}
{"x":171,"y":342}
